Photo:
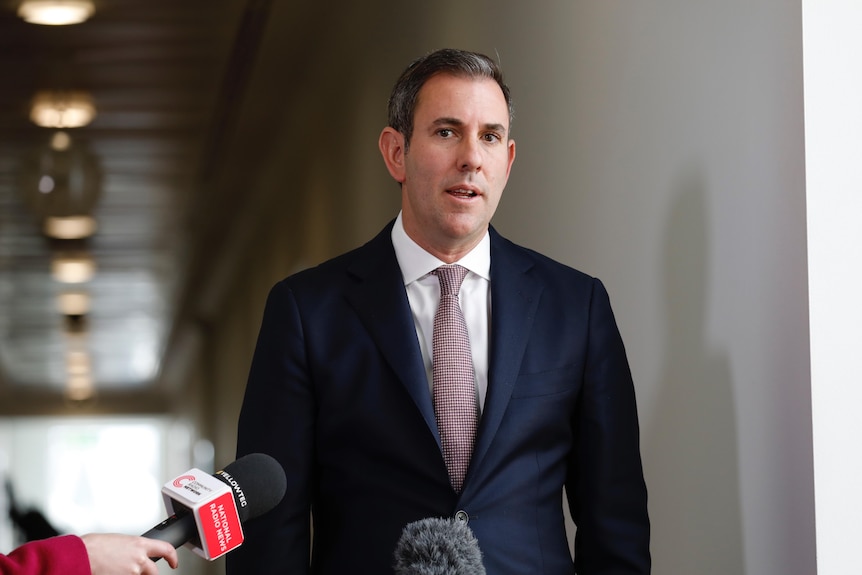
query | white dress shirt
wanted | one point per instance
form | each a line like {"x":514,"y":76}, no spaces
{"x":423,"y":292}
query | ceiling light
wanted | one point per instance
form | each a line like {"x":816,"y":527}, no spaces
{"x":62,"y":109}
{"x":73,"y":269}
{"x":46,"y":184}
{"x":61,"y":189}
{"x":73,"y":303}
{"x":79,"y":387}
{"x":78,"y":363}
{"x":60,"y":141}
{"x":55,"y":12}
{"x":69,"y":227}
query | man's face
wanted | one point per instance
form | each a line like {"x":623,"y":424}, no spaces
{"x":457,"y":164}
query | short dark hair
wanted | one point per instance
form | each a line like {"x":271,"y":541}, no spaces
{"x":402,"y":101}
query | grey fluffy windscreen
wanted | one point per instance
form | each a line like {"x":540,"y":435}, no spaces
{"x":437,"y":546}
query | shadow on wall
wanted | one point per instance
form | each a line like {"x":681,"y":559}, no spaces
{"x":691,"y":443}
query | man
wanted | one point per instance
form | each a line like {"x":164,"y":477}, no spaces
{"x":342,"y":385}
{"x":91,"y":554}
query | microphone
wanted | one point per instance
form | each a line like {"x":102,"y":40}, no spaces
{"x":206,"y":512}
{"x":437,"y":546}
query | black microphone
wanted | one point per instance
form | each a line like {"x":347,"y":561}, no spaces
{"x":437,"y":546}
{"x":207,"y":511}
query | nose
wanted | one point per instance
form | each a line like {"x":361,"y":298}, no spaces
{"x":470,"y":155}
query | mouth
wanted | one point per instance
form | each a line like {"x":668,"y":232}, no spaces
{"x":462,"y":193}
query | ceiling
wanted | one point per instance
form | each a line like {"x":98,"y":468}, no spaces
{"x":162,"y":75}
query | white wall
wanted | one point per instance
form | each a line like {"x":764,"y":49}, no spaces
{"x":833,"y":125}
{"x":660,"y":147}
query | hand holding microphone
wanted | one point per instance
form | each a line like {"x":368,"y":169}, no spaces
{"x":207,"y":511}
{"x":115,"y":554}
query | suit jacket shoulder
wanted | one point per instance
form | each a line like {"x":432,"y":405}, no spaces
{"x":375,"y":258}
{"x":526,"y":258}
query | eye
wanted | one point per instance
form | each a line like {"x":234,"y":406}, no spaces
{"x":491,"y":137}
{"x":445,"y":132}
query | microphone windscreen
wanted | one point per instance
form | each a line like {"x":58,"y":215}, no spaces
{"x":258,"y":483}
{"x":436,"y":546}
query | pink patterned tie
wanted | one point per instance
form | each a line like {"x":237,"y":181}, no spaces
{"x":454,"y":387}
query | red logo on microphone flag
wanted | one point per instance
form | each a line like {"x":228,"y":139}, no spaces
{"x":178,"y":482}
{"x":220,"y":526}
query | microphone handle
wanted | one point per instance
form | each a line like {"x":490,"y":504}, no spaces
{"x":176,"y":530}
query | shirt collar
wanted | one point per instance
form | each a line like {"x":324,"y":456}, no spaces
{"x":416,"y":263}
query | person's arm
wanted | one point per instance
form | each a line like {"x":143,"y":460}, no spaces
{"x":277,"y":418}
{"x":606,"y":490}
{"x":93,"y":554}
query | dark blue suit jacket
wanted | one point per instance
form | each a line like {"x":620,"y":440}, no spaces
{"x":338,"y":394}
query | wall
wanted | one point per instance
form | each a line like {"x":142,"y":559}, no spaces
{"x":833,"y":128}
{"x":661,"y":148}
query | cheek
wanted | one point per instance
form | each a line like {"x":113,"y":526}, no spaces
{"x":493,"y":203}
{"x":430,"y":161}
{"x":418,"y":170}
{"x":424,"y":180}
{"x":498,"y":177}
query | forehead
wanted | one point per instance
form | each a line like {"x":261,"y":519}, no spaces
{"x":462,"y":98}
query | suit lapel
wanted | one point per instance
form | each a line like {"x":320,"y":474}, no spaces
{"x":380,"y":300}
{"x":514,"y":297}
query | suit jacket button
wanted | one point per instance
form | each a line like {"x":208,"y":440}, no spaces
{"x":462,"y":516}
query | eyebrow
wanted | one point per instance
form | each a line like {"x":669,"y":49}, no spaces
{"x":494,"y":127}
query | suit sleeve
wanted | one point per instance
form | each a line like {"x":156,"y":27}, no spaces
{"x":63,"y":555}
{"x":606,"y":489}
{"x":277,"y":418}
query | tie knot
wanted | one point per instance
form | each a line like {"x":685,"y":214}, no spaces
{"x":450,"y":277}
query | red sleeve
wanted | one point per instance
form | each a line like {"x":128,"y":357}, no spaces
{"x":63,"y":555}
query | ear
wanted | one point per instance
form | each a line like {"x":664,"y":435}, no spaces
{"x":511,"y":151}
{"x":391,"y":145}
